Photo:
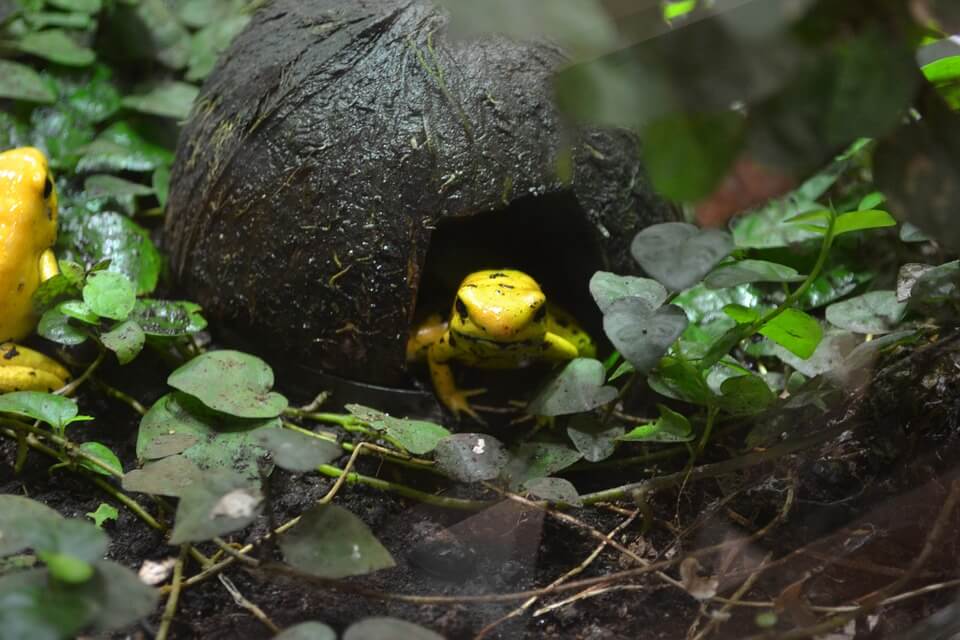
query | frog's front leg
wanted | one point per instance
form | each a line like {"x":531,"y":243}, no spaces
{"x":438,"y":357}
{"x":23,"y":369}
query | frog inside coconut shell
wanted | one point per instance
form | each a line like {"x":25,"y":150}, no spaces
{"x":28,"y":229}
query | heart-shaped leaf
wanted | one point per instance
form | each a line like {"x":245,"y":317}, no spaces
{"x":641,"y":334}
{"x":745,"y":395}
{"x":232,"y":382}
{"x":555,"y":490}
{"x":872,"y":312}
{"x":126,"y":340}
{"x":383,"y":627}
{"x":109,"y":295}
{"x":537,"y":460}
{"x":55,"y":410}
{"x":678,"y":254}
{"x":595,"y":440}
{"x":416,"y":436}
{"x":220,"y":503}
{"x":331,"y":542}
{"x":471,"y":457}
{"x":167,"y":477}
{"x":606,"y":287}
{"x":578,"y":387}
{"x":307,"y":631}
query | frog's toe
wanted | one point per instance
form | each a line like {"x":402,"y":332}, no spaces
{"x":458,"y":402}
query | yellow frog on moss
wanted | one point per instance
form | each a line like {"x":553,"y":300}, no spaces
{"x":28,"y":229}
{"x":500,"y":320}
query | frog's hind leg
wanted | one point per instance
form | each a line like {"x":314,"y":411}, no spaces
{"x":563,"y":325}
{"x":23,"y":369}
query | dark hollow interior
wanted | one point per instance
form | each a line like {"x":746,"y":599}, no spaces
{"x":546,"y":236}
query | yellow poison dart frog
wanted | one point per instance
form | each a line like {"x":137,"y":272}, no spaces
{"x":500,"y":320}
{"x":28,"y":229}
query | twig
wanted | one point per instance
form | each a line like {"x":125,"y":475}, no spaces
{"x":116,"y":394}
{"x":170,"y":609}
{"x":405,"y":491}
{"x":737,"y":595}
{"x":238,"y":598}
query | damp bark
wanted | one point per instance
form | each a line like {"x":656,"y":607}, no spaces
{"x":335,"y":137}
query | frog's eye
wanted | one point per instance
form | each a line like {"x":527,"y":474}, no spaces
{"x":47,"y":188}
{"x":461,"y":310}
{"x":540,"y":314}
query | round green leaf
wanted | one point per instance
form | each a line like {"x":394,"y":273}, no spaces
{"x":606,"y":287}
{"x":103,"y":454}
{"x":109,"y":294}
{"x":642,"y":335}
{"x":331,"y":542}
{"x":678,"y":254}
{"x":167,"y":318}
{"x":233,"y":382}
{"x":67,"y":568}
{"x":745,"y":395}
{"x":416,"y":436}
{"x":471,"y":457}
{"x":307,"y":631}
{"x":555,"y":490}
{"x":578,"y":387}
{"x":55,"y":326}
{"x":380,"y":628}
{"x":295,"y":451}
{"x":78,"y":310}
{"x":167,"y":477}
{"x":537,"y":460}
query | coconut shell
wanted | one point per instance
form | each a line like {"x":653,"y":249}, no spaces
{"x":334,"y":139}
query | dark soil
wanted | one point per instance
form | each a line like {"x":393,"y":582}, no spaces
{"x":850,"y":513}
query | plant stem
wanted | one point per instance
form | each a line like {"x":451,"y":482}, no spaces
{"x":70,"y":387}
{"x":712,"y":412}
{"x":170,"y":610}
{"x":407,"y":492}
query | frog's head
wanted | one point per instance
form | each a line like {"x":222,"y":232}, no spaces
{"x":499,"y":306}
{"x":28,"y":192}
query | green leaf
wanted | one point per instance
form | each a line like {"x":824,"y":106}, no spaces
{"x":555,"y":490}
{"x":103,"y":513}
{"x":168,"y":318}
{"x":54,"y":410}
{"x":52,"y":291}
{"x":595,"y":440}
{"x":161,"y":184}
{"x":331,"y":542}
{"x":673,"y":9}
{"x":872,"y":312}
{"x":871,"y":201}
{"x":745,"y":395}
{"x":97,"y":99}
{"x":148,"y":29}
{"x":55,"y":326}
{"x":22,"y":521}
{"x":111,"y":236}
{"x":20,"y":82}
{"x":121,"y":148}
{"x":531,"y":460}
{"x":669,"y":427}
{"x":126,"y":340}
{"x":169,"y":99}
{"x":66,"y":568}
{"x":943,"y":70}
{"x":828,"y":356}
{"x":307,"y":631}
{"x":107,"y":185}
{"x":936,"y":291}
{"x":416,"y":436}
{"x":169,"y":476}
{"x":78,"y":310}
{"x":233,"y":382}
{"x":471,"y":457}
{"x":741,"y":314}
{"x":679,"y":379}
{"x":220,"y":441}
{"x":678,"y":254}
{"x":687,"y":154}
{"x":911,"y":233}
{"x":295,"y":451}
{"x":578,"y":387}
{"x":57,"y":46}
{"x":109,"y":295}
{"x":862,"y":220}
{"x":208,"y":43}
{"x":102,"y":453}
{"x":221,"y":503}
{"x":606,"y":288}
{"x":640,"y":334}
{"x":82,"y":6}
{"x":746,"y":271}
{"x":794,"y":330}
{"x":378,"y":628}
{"x":30,"y":610}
